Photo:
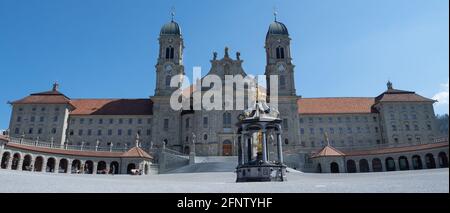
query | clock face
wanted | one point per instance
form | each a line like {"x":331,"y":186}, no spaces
{"x":168,"y":68}
{"x":280,"y":68}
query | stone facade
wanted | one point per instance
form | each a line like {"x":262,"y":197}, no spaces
{"x":394,"y":118}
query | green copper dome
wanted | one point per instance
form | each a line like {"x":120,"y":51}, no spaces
{"x":170,"y":28}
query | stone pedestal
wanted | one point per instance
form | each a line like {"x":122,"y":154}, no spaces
{"x":261,"y":173}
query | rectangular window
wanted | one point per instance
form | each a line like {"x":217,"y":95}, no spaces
{"x":311,"y":120}
{"x":53,"y":130}
{"x":111,"y":121}
{"x":30,"y":131}
{"x":130,"y":121}
{"x":19,"y":119}
{"x":330,"y":120}
{"x":109,"y":131}
{"x":100,"y":121}
{"x":149,"y":121}
{"x":311,"y":130}
{"x":120,"y":121}
{"x":129,"y":132}
{"x":321,"y":130}
{"x":32,"y":119}
{"x":139,"y":121}
{"x":81,"y":120}
{"x":166,"y":124}
{"x":119,"y":132}
{"x":41,"y":119}
{"x":16,"y":131}
{"x":339,"y":120}
{"x":301,"y":120}
{"x":91,"y":121}
{"x":205,"y":122}
{"x":332,"y":130}
{"x":320,"y":120}
{"x":89,"y":132}
{"x":285,"y":123}
{"x":149,"y":131}
{"x":341,"y":130}
{"x":99,"y":132}
{"x":302,"y":131}
{"x":349,"y":130}
{"x":358,"y":129}
{"x":39,"y":131}
{"x":376,"y":129}
{"x":72,"y":121}
{"x":80,"y":132}
{"x":71,"y":132}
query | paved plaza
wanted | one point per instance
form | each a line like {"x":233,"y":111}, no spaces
{"x":434,"y":180}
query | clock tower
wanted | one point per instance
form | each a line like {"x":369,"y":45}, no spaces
{"x":170,"y":59}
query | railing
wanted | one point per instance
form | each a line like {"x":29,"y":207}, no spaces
{"x":50,"y":145}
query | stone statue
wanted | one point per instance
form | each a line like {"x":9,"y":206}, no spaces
{"x":238,"y":55}
{"x":214,"y":56}
{"x":226,"y":52}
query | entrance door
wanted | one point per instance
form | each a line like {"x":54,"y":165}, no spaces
{"x":227,"y":148}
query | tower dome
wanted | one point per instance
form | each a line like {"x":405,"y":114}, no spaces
{"x":171,"y":28}
{"x":277,"y":28}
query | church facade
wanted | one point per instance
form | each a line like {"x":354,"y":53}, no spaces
{"x":316,"y":131}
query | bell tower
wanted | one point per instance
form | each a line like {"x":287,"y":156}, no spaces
{"x":170,"y":58}
{"x":278,"y":58}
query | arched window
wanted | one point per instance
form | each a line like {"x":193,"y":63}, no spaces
{"x":390,"y":164}
{"x":187,"y":123}
{"x":227,"y":119}
{"x":351,"y":166}
{"x":334,"y":167}
{"x":363,"y":165}
{"x":403,"y":163}
{"x":377,"y":165}
{"x":417,"y":162}
{"x":169,"y":52}
{"x":443,"y":161}
{"x":280,"y":52}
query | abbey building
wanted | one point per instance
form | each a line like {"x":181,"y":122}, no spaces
{"x":319,"y":134}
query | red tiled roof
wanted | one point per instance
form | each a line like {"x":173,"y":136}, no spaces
{"x":48,"y":97}
{"x":4,"y":138}
{"x":394,"y":95}
{"x":134,"y":152}
{"x":112,"y":107}
{"x":334,"y":105}
{"x":328,"y":151}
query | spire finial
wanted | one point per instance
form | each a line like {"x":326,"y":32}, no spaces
{"x":172,"y":12}
{"x":275,"y":13}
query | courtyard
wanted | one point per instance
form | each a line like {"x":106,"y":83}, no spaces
{"x":424,"y":181}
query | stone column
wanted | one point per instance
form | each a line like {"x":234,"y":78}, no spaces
{"x":436,"y":160}
{"x":107,"y":167}
{"x":240,"y":150}
{"x":44,"y":164}
{"x":56,"y":166}
{"x":357,"y":166}
{"x":10,"y":162}
{"x":20,"y":163}
{"x":264,"y":146}
{"x":397,"y":164}
{"x":244,"y":148}
{"x":94,"y":167}
{"x":279,"y":148}
{"x":424,"y":162}
{"x":69,"y":166}
{"x":370,"y":165}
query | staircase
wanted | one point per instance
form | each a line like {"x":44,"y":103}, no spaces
{"x":209,"y":164}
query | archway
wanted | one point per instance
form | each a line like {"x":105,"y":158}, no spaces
{"x":63,"y":163}
{"x":377,"y":166}
{"x":351,"y":166}
{"x":187,"y":150}
{"x":88,"y":167}
{"x":227,"y":148}
{"x":364,"y":165}
{"x":76,"y":167}
{"x":334,"y":167}
{"x":38,"y":164}
{"x":15,"y":161}
{"x":443,"y":160}
{"x":403,"y":163}
{"x":429,"y":160}
{"x":101,"y":168}
{"x":417,"y":162}
{"x":26,"y":165}
{"x":319,"y":168}
{"x":390,"y":164}
{"x":130,"y":167}
{"x":114,"y":167}
{"x":5,"y":160}
{"x":50,"y":167}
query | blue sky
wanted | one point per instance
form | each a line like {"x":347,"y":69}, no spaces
{"x":108,"y":48}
